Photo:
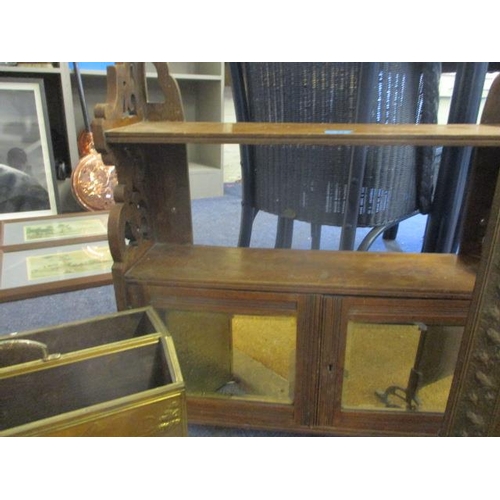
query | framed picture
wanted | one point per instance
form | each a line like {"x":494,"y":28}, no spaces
{"x":40,"y":271}
{"x":38,"y":232}
{"x":27,"y":175}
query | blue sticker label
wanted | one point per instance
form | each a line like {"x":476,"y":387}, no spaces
{"x":338,"y":131}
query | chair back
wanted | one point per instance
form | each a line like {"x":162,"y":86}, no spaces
{"x":310,"y":183}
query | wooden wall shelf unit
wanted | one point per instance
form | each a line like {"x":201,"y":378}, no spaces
{"x":290,"y":339}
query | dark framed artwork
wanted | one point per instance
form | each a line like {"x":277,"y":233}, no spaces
{"x":27,"y":177}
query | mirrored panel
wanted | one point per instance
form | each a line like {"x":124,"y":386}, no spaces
{"x":399,"y":367}
{"x":235,"y":355}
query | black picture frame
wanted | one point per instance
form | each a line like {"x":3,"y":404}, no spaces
{"x":27,"y":175}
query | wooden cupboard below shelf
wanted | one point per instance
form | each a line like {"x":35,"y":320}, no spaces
{"x":273,"y":352}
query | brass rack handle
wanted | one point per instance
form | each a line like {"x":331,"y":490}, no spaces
{"x":21,"y":343}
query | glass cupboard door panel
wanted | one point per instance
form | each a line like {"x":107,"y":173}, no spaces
{"x":399,"y":366}
{"x":235,"y":355}
{"x":387,"y":364}
{"x":264,"y":354}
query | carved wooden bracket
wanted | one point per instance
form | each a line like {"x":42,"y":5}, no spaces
{"x":128,"y":101}
{"x":144,"y":212}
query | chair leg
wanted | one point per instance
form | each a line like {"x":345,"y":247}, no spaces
{"x":284,"y":233}
{"x":248,"y":214}
{"x":315,"y":236}
{"x":391,"y":233}
{"x":347,"y":237}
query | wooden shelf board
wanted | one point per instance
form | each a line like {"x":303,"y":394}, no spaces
{"x":311,"y":133}
{"x":342,"y":273}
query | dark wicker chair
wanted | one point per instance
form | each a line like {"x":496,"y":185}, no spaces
{"x":318,"y":184}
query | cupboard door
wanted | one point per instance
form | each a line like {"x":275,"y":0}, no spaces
{"x":387,"y":364}
{"x":246,"y":358}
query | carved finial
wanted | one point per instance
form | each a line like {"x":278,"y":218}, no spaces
{"x":127,"y":101}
